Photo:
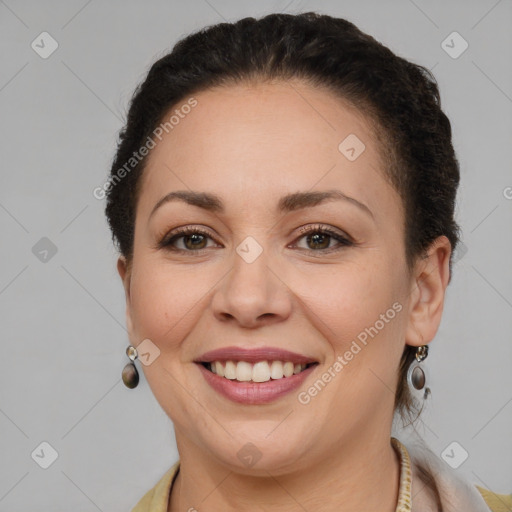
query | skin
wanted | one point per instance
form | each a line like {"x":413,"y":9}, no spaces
{"x":252,"y":144}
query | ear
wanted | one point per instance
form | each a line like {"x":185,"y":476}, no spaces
{"x":124,"y":269}
{"x":430,"y":279}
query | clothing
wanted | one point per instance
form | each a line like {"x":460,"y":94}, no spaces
{"x":456,"y":495}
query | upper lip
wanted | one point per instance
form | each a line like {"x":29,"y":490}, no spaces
{"x":253,"y":355}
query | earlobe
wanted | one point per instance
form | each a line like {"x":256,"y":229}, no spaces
{"x":430,"y":279}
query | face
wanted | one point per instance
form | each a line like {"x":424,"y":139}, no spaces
{"x":324,"y":279}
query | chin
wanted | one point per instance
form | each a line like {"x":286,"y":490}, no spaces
{"x":258,"y":452}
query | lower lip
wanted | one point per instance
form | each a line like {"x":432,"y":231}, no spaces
{"x":254,"y":393}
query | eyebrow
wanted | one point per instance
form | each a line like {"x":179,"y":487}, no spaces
{"x":288,"y":203}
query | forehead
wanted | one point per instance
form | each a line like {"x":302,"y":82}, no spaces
{"x":277,"y":117}
{"x":263,"y":140}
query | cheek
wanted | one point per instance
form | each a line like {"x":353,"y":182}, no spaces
{"x":358,"y":313}
{"x":351,"y":299}
{"x":164,"y":303}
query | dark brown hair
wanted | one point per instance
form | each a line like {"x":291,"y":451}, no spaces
{"x":400,"y":99}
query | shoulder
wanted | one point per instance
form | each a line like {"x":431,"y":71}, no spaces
{"x":460,"y":493}
{"x":157,"y":498}
{"x":496,"y":502}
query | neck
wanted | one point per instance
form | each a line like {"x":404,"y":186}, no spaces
{"x":362,"y":475}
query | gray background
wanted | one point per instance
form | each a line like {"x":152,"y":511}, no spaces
{"x":63,"y":318}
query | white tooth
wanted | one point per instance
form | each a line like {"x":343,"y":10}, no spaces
{"x":243,"y":371}
{"x":288,"y":369}
{"x":230,"y":370}
{"x":261,"y":372}
{"x":219,"y":369}
{"x":276,"y":370}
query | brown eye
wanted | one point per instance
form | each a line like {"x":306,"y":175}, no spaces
{"x":193,"y":240}
{"x":196,"y":241}
{"x":318,"y":239}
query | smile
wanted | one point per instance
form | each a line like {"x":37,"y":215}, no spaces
{"x":256,"y":375}
{"x":261,"y":371}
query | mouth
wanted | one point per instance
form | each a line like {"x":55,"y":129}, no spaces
{"x":260,"y":371}
{"x":255,"y":376}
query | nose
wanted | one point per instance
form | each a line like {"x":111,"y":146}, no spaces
{"x":252,"y":294}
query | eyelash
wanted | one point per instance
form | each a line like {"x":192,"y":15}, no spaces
{"x":166,"y":242}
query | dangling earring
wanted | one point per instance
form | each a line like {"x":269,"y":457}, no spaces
{"x":417,"y":374}
{"x":130,"y":373}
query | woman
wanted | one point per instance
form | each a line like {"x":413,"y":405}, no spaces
{"x":282,"y":198}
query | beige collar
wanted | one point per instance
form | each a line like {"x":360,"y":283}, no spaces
{"x":404,"y":503}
